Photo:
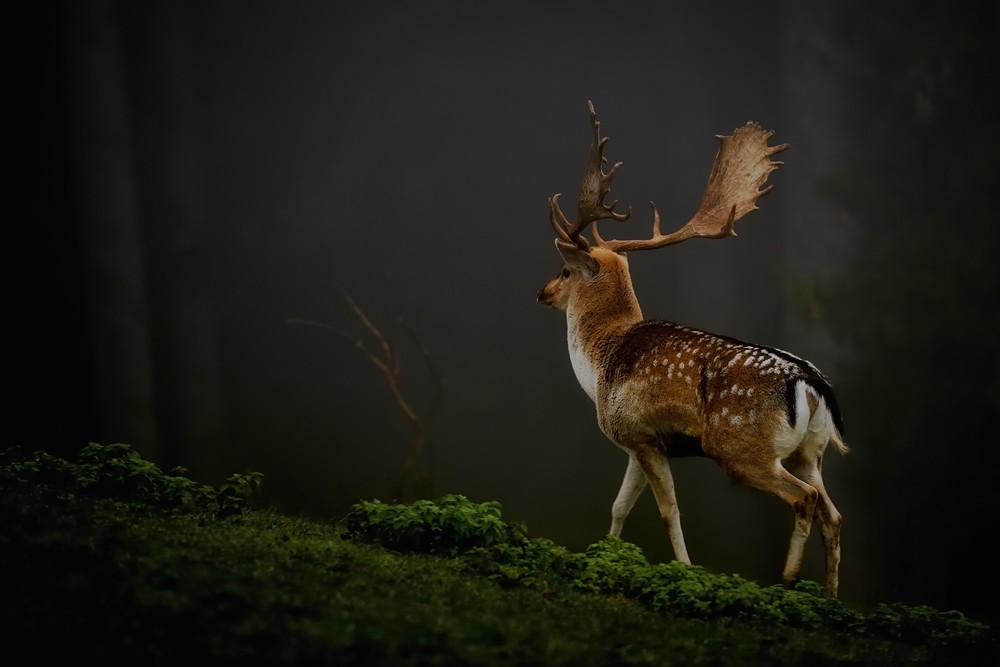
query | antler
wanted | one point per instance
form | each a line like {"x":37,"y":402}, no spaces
{"x":741,"y":167}
{"x":596,"y":185}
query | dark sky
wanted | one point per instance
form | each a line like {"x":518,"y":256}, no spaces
{"x":222,"y":167}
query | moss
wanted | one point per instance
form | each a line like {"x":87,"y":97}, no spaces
{"x":114,"y":559}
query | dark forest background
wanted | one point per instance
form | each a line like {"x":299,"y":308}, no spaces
{"x":191,"y":176}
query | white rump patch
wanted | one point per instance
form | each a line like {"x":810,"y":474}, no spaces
{"x":810,"y":432}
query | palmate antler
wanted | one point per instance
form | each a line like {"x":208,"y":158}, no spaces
{"x":741,"y":167}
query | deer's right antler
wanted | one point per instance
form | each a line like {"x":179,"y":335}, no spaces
{"x":741,"y":167}
{"x":596,"y":185}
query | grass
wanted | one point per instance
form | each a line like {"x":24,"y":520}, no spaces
{"x":107,"y":557}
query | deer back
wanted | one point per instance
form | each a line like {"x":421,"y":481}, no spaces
{"x":664,"y":381}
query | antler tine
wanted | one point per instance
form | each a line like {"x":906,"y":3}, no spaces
{"x":563,"y":228}
{"x":741,"y":167}
{"x":596,"y":183}
{"x":601,"y":243}
{"x":594,"y":188}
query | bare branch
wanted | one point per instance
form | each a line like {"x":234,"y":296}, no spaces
{"x":388,"y":365}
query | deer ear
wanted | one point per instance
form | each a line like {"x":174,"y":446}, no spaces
{"x":577,"y":258}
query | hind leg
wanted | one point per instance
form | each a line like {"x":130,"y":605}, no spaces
{"x":773,"y":478}
{"x":829,"y":519}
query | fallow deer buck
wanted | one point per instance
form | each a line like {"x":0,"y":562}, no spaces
{"x":664,"y":390}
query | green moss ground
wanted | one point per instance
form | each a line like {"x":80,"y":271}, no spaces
{"x":107,"y":557}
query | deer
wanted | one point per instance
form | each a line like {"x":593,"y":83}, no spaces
{"x":663,"y":390}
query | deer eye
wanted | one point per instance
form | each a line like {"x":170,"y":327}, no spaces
{"x":565,"y":274}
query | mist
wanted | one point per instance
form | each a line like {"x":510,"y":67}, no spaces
{"x":202,"y":173}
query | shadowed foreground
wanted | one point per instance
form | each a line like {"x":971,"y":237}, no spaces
{"x":109,"y":557}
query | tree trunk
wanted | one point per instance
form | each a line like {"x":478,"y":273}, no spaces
{"x":114,"y":270}
{"x":186,"y":359}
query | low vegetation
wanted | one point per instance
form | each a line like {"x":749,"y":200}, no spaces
{"x":108,"y":557}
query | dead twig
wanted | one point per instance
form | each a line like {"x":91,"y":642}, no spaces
{"x":415,"y":474}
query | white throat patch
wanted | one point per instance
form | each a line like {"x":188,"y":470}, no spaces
{"x":582,"y":366}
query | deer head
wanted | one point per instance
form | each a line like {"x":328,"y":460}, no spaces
{"x":742,"y":165}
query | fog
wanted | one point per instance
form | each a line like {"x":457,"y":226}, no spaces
{"x":205,"y":172}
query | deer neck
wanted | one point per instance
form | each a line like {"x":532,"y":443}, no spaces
{"x":599,"y":312}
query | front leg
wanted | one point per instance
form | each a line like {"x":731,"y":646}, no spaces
{"x":633,"y":485}
{"x":657,"y":468}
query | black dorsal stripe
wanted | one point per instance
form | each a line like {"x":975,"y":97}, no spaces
{"x":806,"y":371}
